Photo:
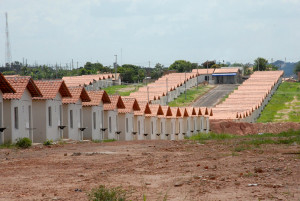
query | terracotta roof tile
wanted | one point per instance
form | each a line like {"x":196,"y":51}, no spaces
{"x":116,"y":103}
{"x":50,"y":88}
{"x":96,"y":98}
{"x":20,"y":83}
{"x":131,"y":105}
{"x":77,"y":94}
{"x":5,"y":86}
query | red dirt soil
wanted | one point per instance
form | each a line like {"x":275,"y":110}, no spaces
{"x":182,"y":170}
{"x":242,"y":128}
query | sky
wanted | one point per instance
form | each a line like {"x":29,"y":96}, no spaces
{"x":155,"y":31}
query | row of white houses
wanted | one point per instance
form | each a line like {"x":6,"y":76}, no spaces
{"x":49,"y":110}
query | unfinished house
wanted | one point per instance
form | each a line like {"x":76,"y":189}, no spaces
{"x":126,"y":118}
{"x":156,"y":111}
{"x":72,"y":113}
{"x":5,"y":87}
{"x":17,"y":108}
{"x":93,"y":115}
{"x":111,"y":117}
{"x":47,"y":110}
{"x":141,"y":122}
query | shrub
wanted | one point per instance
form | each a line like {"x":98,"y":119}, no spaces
{"x":23,"y":142}
{"x":48,"y":142}
{"x":103,"y":193}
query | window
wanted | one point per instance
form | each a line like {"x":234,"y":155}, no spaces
{"x":60,"y":115}
{"x":161,"y":127}
{"x":94,"y":120}
{"x":71,"y":118}
{"x":1,"y":115}
{"x":194,"y":124}
{"x":172,"y":128}
{"x":102,"y":119}
{"x":139,"y":127}
{"x":187,"y":125}
{"x":49,"y":116}
{"x":80,"y":117}
{"x":152,"y":127}
{"x":127,"y":125}
{"x":179,"y":127}
{"x":16,"y":112}
{"x":109,"y":124}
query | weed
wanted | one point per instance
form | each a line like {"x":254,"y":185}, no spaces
{"x":23,"y":142}
{"x":103,"y":193}
{"x":235,"y":154}
{"x":240,"y":148}
{"x":109,"y":140}
{"x":211,"y":136}
{"x":48,"y":142}
{"x":8,"y":145}
{"x":96,"y":141}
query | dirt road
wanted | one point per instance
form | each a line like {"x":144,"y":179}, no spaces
{"x":211,"y":98}
{"x":179,"y":170}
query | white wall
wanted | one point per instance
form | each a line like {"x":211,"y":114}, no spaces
{"x":91,"y":132}
{"x":72,"y":133}
{"x":12,"y":133}
{"x":1,"y":118}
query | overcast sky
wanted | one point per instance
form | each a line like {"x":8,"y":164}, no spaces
{"x":50,"y":31}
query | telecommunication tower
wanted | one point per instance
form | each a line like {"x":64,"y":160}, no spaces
{"x":7,"y":45}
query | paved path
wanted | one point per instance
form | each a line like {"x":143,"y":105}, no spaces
{"x":211,"y":98}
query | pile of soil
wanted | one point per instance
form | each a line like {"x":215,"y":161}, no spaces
{"x":243,"y":128}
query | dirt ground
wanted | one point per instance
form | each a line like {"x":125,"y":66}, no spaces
{"x":180,"y":170}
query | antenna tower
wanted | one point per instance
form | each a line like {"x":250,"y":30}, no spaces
{"x":7,"y":45}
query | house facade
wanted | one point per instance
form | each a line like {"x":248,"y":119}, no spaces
{"x":47,"y":110}
{"x":72,"y":113}
{"x":17,"y":108}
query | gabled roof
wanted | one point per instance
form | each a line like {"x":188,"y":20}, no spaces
{"x":77,"y":93}
{"x":131,"y":105}
{"x":50,"y":88}
{"x":176,"y":112}
{"x":116,"y":102}
{"x":5,"y":86}
{"x":20,"y":83}
{"x":191,"y":111}
{"x":184,"y":112}
{"x":156,"y":109}
{"x":167,"y":111}
{"x":96,"y":98}
{"x":144,"y":109}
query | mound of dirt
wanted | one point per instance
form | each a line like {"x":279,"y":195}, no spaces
{"x":243,"y":128}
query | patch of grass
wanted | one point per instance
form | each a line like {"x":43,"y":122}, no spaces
{"x":211,"y":136}
{"x":121,"y":89}
{"x":96,"y":141}
{"x":109,"y":140}
{"x":284,"y":94}
{"x":7,"y":145}
{"x":48,"y":142}
{"x":191,"y":95}
{"x":241,"y":148}
{"x":23,"y":142}
{"x":103,"y":193}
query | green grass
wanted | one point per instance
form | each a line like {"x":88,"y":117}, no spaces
{"x":109,"y":140}
{"x":191,"y":95}
{"x":103,"y":193}
{"x":245,"y":142}
{"x":7,"y":145}
{"x":122,"y":90}
{"x":281,"y":100}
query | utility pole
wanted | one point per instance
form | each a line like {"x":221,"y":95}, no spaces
{"x":207,"y":71}
{"x":72,"y":64}
{"x":77,"y":64}
{"x":185,"y":84}
{"x":115,"y":65}
{"x":149,"y":64}
{"x":8,"y":59}
{"x":148,"y":93}
{"x":167,"y":90}
{"x":197,"y":76}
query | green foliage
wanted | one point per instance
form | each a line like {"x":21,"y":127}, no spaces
{"x":297,"y":67}
{"x":209,"y":64}
{"x":191,"y":95}
{"x":284,"y":94}
{"x":103,"y":193}
{"x":48,"y":142}
{"x":7,"y":145}
{"x":158,"y":71}
{"x":211,"y":136}
{"x":181,"y":66}
{"x":260,"y":64}
{"x":109,"y":140}
{"x":131,"y":73}
{"x":23,"y":142}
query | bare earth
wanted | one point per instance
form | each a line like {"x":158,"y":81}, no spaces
{"x":182,"y":170}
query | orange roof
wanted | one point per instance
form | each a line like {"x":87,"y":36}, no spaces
{"x":144,"y":109}
{"x":184,"y":112}
{"x":167,"y":111}
{"x":191,"y":111}
{"x":226,"y":70}
{"x":203,"y":71}
{"x":5,"y":87}
{"x":156,"y":109}
{"x":77,"y":93}
{"x":96,"y":98}
{"x":116,"y":103}
{"x":50,"y":88}
{"x":20,"y":83}
{"x":131,"y":105}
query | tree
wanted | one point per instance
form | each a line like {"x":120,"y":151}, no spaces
{"x":181,"y":66}
{"x":209,"y":64}
{"x":260,"y":64}
{"x":157,"y":71}
{"x":297,"y":67}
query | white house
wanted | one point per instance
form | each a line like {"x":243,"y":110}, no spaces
{"x":47,"y":110}
{"x":93,"y":115}
{"x":139,"y":121}
{"x":186,"y":124}
{"x":176,"y":122}
{"x":165,"y":123}
{"x":156,"y":111}
{"x":72,"y":113}
{"x":17,"y":108}
{"x":126,"y":118}
{"x":5,"y":87}
{"x":111,"y":117}
{"x":195,"y":127}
